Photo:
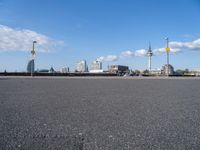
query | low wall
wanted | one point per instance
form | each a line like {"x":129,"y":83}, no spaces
{"x":55,"y":74}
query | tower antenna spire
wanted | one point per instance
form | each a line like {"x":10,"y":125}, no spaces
{"x":149,"y":54}
{"x":32,"y":58}
{"x":149,"y":45}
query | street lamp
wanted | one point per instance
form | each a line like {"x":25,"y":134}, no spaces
{"x":167,"y":50}
{"x":33,"y":54}
{"x":33,"y":50}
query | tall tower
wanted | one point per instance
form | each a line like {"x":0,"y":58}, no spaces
{"x":149,"y":54}
{"x":31,"y":63}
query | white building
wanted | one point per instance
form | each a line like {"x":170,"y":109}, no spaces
{"x":194,"y":72}
{"x":65,"y":70}
{"x":96,"y":65}
{"x":82,"y":66}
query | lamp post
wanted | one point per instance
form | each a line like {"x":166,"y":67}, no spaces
{"x":167,"y":50}
{"x":33,"y":54}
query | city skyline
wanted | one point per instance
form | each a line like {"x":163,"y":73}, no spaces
{"x":112,"y":32}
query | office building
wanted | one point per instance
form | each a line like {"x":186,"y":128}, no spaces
{"x":118,"y":69}
{"x":65,"y":70}
{"x":82,"y":66}
{"x":31,"y":66}
{"x":96,"y":65}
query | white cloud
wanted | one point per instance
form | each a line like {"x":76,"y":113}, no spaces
{"x":141,"y":52}
{"x":108,"y":58}
{"x":127,"y":53}
{"x":160,"y":51}
{"x":194,"y":45}
{"x":176,"y":47}
{"x":21,"y":40}
{"x":137,"y":53}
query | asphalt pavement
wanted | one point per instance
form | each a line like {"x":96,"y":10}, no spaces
{"x":99,"y":114}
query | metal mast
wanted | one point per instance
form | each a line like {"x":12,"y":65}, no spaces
{"x":167,"y":50}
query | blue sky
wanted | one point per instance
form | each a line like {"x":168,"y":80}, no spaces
{"x":114,"y":31}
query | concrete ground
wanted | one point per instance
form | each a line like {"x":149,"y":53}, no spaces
{"x":99,"y":113}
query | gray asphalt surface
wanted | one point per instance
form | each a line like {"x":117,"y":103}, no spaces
{"x":99,"y":114}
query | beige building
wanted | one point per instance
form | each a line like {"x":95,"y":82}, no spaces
{"x":118,"y":69}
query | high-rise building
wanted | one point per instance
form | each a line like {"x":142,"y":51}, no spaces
{"x":82,"y":66}
{"x":31,"y":66}
{"x":65,"y":69}
{"x":96,"y":65}
{"x":149,"y":54}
